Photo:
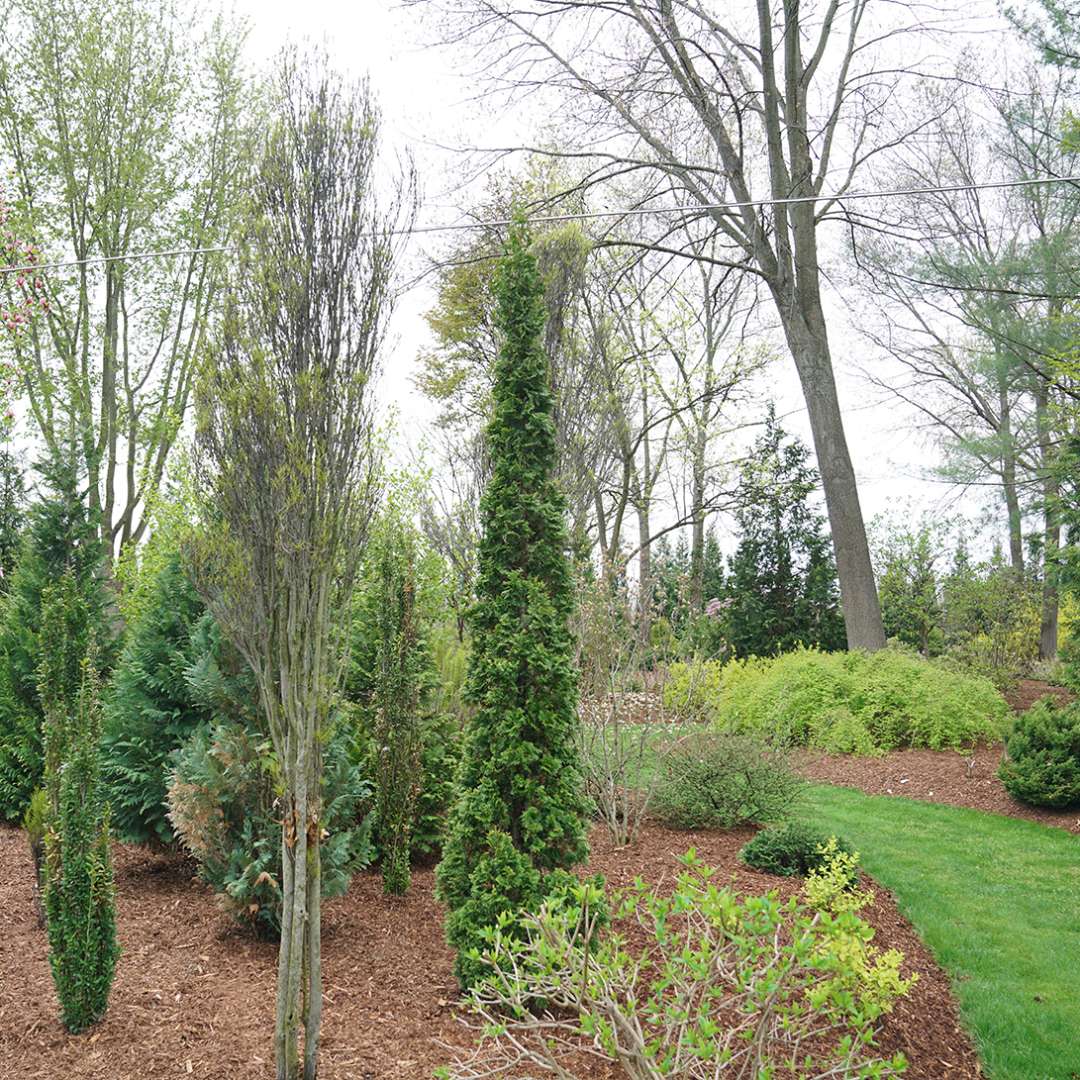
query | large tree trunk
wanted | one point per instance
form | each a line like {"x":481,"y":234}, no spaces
{"x":858,"y":591}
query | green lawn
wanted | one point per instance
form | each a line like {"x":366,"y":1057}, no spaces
{"x":998,"y":902}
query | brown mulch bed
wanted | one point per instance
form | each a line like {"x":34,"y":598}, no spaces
{"x":944,"y":776}
{"x":194,"y":996}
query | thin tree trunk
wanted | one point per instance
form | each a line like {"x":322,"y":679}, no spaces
{"x":1048,"y":629}
{"x":697,"y":536}
{"x":1008,"y":483}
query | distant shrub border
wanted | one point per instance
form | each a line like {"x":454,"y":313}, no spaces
{"x":844,"y":702}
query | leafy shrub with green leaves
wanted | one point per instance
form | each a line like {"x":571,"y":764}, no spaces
{"x":717,"y":780}
{"x":793,"y":849}
{"x":221,"y":802}
{"x":810,"y":977}
{"x":852,"y":702}
{"x":1042,"y":756}
{"x":150,"y":709}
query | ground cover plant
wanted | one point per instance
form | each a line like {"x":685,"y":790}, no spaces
{"x":718,"y":984}
{"x":864,"y":703}
{"x":995,"y":900}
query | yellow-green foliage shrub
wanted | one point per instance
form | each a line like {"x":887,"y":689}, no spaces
{"x":853,"y":702}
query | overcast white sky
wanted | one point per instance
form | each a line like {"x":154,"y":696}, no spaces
{"x":426,"y":107}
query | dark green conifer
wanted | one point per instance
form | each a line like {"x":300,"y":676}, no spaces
{"x":518,"y":817}
{"x":782,"y":589}
{"x":150,"y":709}
{"x":61,"y":537}
{"x":79,"y":897}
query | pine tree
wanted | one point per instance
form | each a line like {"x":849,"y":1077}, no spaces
{"x":782,"y":588}
{"x":79,"y":896}
{"x":518,"y":818}
{"x":61,"y":537}
{"x":150,"y":709}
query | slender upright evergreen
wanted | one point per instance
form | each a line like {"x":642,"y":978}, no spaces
{"x":79,"y":897}
{"x":402,"y":664}
{"x":518,"y":817}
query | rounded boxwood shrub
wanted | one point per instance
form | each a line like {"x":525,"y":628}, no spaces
{"x":850,"y":702}
{"x":716,"y":780}
{"x":1042,"y":763}
{"x":790,"y":850}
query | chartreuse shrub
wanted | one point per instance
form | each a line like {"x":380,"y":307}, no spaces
{"x":1042,"y":756}
{"x":793,"y":849}
{"x":150,"y":709}
{"x":706,"y":971}
{"x":719,"y":780}
{"x":519,"y":812}
{"x":854,"y":702}
{"x":79,"y":899}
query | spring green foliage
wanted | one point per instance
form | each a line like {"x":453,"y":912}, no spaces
{"x":863,"y":703}
{"x":61,"y":537}
{"x":717,"y":780}
{"x":781,"y":586}
{"x":519,"y":811}
{"x":994,"y":899}
{"x":79,"y":897}
{"x":794,"y":849}
{"x":1042,"y":762}
{"x":648,"y":1004}
{"x":908,"y":589}
{"x":150,"y":708}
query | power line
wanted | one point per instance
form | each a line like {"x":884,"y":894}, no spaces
{"x":593,"y":215}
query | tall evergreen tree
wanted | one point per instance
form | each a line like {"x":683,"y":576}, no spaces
{"x":150,"y":709}
{"x":782,"y":587}
{"x":518,"y":819}
{"x":61,"y":537}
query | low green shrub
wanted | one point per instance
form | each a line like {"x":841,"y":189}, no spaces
{"x":852,"y":702}
{"x":648,"y":1005}
{"x":720,"y":780}
{"x":1042,"y":756}
{"x":793,"y":849}
{"x":221,"y":804}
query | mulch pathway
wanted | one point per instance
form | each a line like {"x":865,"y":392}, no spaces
{"x":944,"y":776}
{"x":194,"y":996}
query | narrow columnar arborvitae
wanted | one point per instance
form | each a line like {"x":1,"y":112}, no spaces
{"x":518,"y":819}
{"x":79,"y":897}
{"x":401,"y":670}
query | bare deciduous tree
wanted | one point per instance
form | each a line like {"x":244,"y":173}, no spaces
{"x":288,"y":463}
{"x":787,"y":100}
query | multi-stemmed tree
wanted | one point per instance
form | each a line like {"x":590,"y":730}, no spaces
{"x":518,"y":818}
{"x":289,"y":464}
